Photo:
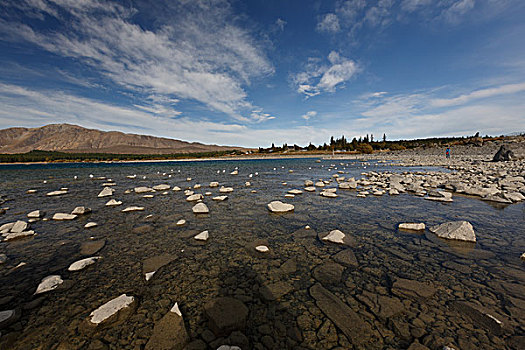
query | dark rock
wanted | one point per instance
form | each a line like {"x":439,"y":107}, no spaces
{"x":381,"y":305}
{"x":328,"y":273}
{"x":275,"y":291}
{"x":8,"y":317}
{"x":239,"y":339}
{"x":92,"y":247}
{"x":346,"y":257}
{"x":504,"y":154}
{"x":169,"y":334}
{"x":156,"y":262}
{"x":196,"y":345}
{"x":288,"y":267}
{"x":142,"y":229}
{"x":417,"y":346}
{"x":410,"y":288}
{"x":226,"y":315}
{"x":480,"y":316}
{"x":346,"y":319}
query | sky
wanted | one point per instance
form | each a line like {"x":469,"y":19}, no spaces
{"x":252,"y":73}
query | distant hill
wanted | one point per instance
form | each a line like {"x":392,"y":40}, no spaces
{"x":76,"y":139}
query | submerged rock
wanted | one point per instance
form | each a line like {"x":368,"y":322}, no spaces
{"x":409,"y":288}
{"x":226,"y":315}
{"x":169,"y":333}
{"x":275,"y":291}
{"x":458,"y":230}
{"x":280,"y":207}
{"x":49,"y":283}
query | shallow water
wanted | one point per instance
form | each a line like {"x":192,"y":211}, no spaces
{"x":489,"y":273}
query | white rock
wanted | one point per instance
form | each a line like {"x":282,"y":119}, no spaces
{"x":262,"y":248}
{"x":335,"y":236}
{"x":81,"y":211}
{"x":31,"y":191}
{"x":522,"y":256}
{"x":181,"y":222}
{"x":295,"y":192}
{"x":109,"y":184}
{"x":288,"y":195}
{"x":131,"y":176}
{"x":132,"y":208}
{"x":203,"y":236}
{"x":111,"y":308}
{"x":328,"y":194}
{"x":56,"y":193}
{"x":113,"y":202}
{"x":19,"y":226}
{"x":148,"y":275}
{"x":188,"y":179}
{"x":90,"y":225}
{"x":194,"y":197}
{"x":49,"y":283}
{"x":107,"y":191}
{"x":247,"y":184}
{"x":82,"y":264}
{"x":200,"y":208}
{"x":162,"y":187}
{"x":148,"y":196}
{"x":459,"y":230}
{"x":143,"y":189}
{"x":15,"y":235}
{"x":235,"y":172}
{"x":214,"y":184}
{"x":309,"y":189}
{"x":176,"y":188}
{"x":6,"y":228}
{"x":412,"y":226}
{"x":319,"y":184}
{"x":64,"y":216}
{"x":225,"y":189}
{"x":280,"y":207}
{"x":36,"y":214}
{"x":208,"y":193}
{"x":196,"y":186}
{"x":220,"y":198}
{"x":175,"y":309}
{"x":308,"y":183}
{"x":188,"y":192}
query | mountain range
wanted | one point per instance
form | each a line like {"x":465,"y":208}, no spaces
{"x":76,"y":139}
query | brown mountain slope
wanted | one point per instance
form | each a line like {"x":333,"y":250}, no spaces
{"x":76,"y":139}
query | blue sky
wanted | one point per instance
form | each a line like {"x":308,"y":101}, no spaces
{"x":250,"y":73}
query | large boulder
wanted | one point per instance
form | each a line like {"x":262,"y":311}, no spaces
{"x":226,"y":315}
{"x":458,"y":230}
{"x":504,"y":154}
{"x":169,"y":332}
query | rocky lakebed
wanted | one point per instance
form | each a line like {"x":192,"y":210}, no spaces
{"x":384,"y":251}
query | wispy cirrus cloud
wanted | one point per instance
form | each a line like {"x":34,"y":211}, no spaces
{"x":321,"y":77}
{"x":200,"y":54}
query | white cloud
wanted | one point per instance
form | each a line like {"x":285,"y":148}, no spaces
{"x":457,"y":9}
{"x":280,"y":23}
{"x":308,"y":115}
{"x":479,"y":94}
{"x":413,"y":5}
{"x":200,"y":54}
{"x":329,"y":23}
{"x":325,"y":78}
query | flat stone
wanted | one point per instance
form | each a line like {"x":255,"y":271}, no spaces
{"x":113,"y":310}
{"x":275,"y":291}
{"x":107,"y":191}
{"x":19,"y":226}
{"x":226,"y":189}
{"x":262,"y":248}
{"x":226,"y":315}
{"x":480,"y":316}
{"x":203,"y":236}
{"x":194,"y":197}
{"x":280,"y":207}
{"x":56,"y":193}
{"x":346,"y":319}
{"x":48,"y":284}
{"x":200,"y":208}
{"x":81,"y":211}
{"x":295,"y":192}
{"x":309,"y":189}
{"x":143,"y":189}
{"x":156,"y":262}
{"x":181,"y":222}
{"x":92,"y":247}
{"x":64,"y":216}
{"x":82,"y":264}
{"x":328,"y":273}
{"x":12,"y":236}
{"x":410,"y":288}
{"x":328,"y":194}
{"x":169,"y":333}
{"x":346,"y":258}
{"x":220,"y":198}
{"x":36,"y":214}
{"x":458,"y":230}
{"x":132,"y":208}
{"x":412,"y":226}
{"x":214,"y":184}
{"x":90,"y":225}
{"x":161,"y":187}
{"x":113,"y":202}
